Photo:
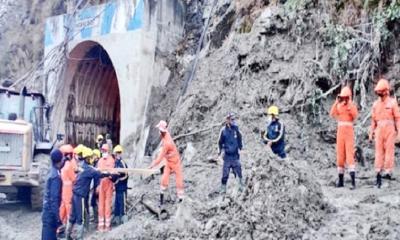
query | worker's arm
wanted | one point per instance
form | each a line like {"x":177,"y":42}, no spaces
{"x":334,"y":111}
{"x":239,"y":135}
{"x":55,"y":198}
{"x":123,"y":176}
{"x":160,"y":157}
{"x":353,"y":111}
{"x":220,"y":141}
{"x":396,"y":115}
{"x":373,"y":124}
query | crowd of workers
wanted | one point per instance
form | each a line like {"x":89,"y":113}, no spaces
{"x":385,"y":130}
{"x":75,"y":171}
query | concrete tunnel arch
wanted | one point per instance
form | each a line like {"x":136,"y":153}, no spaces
{"x":93,"y":103}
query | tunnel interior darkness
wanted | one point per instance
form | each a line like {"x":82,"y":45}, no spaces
{"x":93,"y":104}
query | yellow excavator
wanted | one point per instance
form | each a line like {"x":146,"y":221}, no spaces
{"x":24,"y":145}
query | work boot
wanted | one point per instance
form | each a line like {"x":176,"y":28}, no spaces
{"x":353,"y":180}
{"x":95,"y":215}
{"x":124,"y":219}
{"x":387,"y":176}
{"x":341,"y":181}
{"x":223,"y":189}
{"x":79,"y":231}
{"x":118,"y":220}
{"x":241,"y":185}
{"x":68,"y":231}
{"x":379,"y":180}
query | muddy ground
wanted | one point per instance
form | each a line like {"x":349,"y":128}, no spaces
{"x":255,"y":54}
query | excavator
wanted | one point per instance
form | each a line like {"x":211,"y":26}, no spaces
{"x":24,"y":145}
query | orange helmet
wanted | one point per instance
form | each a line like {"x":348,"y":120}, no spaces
{"x":66,"y":149}
{"x":382,"y":85}
{"x":345,"y":92}
{"x":105,"y":147}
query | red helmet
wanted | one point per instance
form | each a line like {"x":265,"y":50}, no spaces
{"x":382,"y":85}
{"x":67,"y":149}
{"x":345,"y":92}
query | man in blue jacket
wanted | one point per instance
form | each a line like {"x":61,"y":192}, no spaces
{"x":274,"y":136}
{"x":230,"y":142}
{"x":81,"y":191}
{"x":121,"y":188}
{"x":52,"y":198}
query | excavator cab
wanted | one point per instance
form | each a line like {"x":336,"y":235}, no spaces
{"x":24,"y":145}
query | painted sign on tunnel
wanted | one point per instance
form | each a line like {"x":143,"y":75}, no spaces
{"x":114,"y":17}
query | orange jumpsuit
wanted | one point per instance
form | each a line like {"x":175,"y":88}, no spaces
{"x":385,"y":120}
{"x":170,"y":153}
{"x":345,"y":115}
{"x":106,"y":188}
{"x":68,"y":178}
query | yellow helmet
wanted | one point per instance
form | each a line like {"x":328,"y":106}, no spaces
{"x":87,"y":153}
{"x":96,"y":152}
{"x":79,"y":149}
{"x":99,"y":137}
{"x":273,"y":110}
{"x":118,"y":149}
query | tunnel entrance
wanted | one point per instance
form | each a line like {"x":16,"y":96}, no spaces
{"x":93,"y":104}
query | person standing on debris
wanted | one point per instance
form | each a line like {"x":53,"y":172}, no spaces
{"x":121,"y":187}
{"x":105,"y":189}
{"x":230,"y":145}
{"x":274,"y":136}
{"x":68,"y":177}
{"x":345,"y":112}
{"x":385,"y":122}
{"x":52,"y":198}
{"x":81,"y":191}
{"x":99,"y":141}
{"x":170,"y":154}
{"x":96,"y":181}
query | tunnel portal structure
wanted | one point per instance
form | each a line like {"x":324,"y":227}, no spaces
{"x":112,"y":62}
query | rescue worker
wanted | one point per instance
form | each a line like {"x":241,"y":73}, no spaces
{"x":121,"y":187}
{"x":345,"y":112}
{"x":274,"y":136}
{"x":52,"y":198}
{"x":170,"y":154}
{"x":81,"y":190}
{"x":230,"y":145}
{"x":384,"y":125}
{"x":99,"y":141}
{"x":105,"y":190}
{"x":94,"y":198}
{"x":68,"y":177}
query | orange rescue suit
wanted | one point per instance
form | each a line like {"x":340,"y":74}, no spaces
{"x":170,"y":153}
{"x":106,"y":189}
{"x":345,"y":114}
{"x":68,"y":177}
{"x":385,"y":120}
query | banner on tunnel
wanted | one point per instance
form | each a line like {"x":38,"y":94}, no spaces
{"x":114,"y":17}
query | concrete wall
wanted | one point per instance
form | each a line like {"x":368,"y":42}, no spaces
{"x":132,"y":32}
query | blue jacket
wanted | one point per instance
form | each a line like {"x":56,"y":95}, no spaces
{"x":230,"y":140}
{"x":83,"y":180}
{"x":121,"y":181}
{"x":276,"y":132}
{"x":52,"y":197}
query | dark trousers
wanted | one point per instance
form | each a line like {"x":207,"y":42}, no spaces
{"x":78,"y":210}
{"x":49,"y":228}
{"x":93,"y":199}
{"x":228,"y":165}
{"x":120,"y":203}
